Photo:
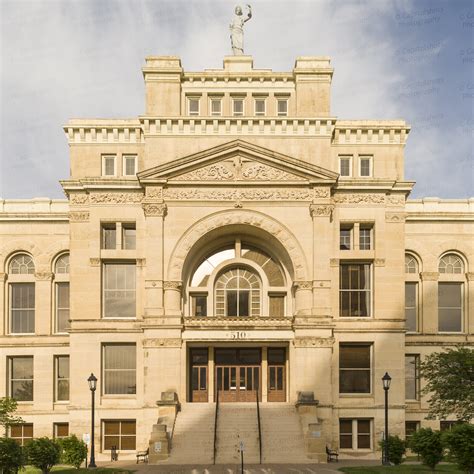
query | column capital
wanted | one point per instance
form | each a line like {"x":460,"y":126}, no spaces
{"x":303,"y":285}
{"x":154,"y":209}
{"x":172,"y":285}
{"x":321,"y":210}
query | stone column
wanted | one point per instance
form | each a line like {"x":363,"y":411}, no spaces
{"x":303,"y":297}
{"x":469,"y":323}
{"x":210,"y":375}
{"x":43,"y":281}
{"x":4,"y":319}
{"x":172,"y":298}
{"x":264,"y":374}
{"x":429,"y":304}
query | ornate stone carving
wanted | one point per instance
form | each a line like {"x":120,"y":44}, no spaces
{"x":172,"y":285}
{"x":429,"y":276}
{"x":152,"y":209}
{"x":322,"y":192}
{"x":379,"y":262}
{"x":261,"y":172}
{"x":244,"y":217}
{"x":217,"y":171}
{"x":233,"y":194}
{"x":154,"y":192}
{"x":162,"y":342}
{"x":334,"y":262}
{"x":94,"y":262}
{"x":303,"y":285}
{"x":79,"y":199}
{"x":3,"y":277}
{"x":313,"y":342}
{"x":141,"y":262}
{"x":321,"y":210}
{"x":396,"y":199}
{"x":78,"y":216}
{"x":359,"y":198}
{"x":395,"y":216}
{"x":470,"y":276}
{"x":238,"y":322}
{"x":43,"y":276}
{"x":116,"y":198}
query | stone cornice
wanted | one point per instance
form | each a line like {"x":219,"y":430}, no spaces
{"x":380,"y":132}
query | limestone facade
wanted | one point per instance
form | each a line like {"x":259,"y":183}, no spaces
{"x":309,"y":239}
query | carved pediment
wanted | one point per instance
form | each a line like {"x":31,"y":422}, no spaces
{"x":238,"y":161}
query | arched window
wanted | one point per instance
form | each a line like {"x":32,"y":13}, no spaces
{"x":411,"y":265}
{"x":21,"y":282}
{"x":238,"y":280}
{"x":61,"y":291}
{"x":450,"y":263}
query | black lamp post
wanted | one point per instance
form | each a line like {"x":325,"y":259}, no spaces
{"x":386,"y":379}
{"x":92,"y":380}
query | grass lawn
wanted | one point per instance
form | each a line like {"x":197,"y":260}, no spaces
{"x":71,"y":470}
{"x":403,"y":469}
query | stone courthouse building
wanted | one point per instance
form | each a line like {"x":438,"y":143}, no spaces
{"x":236,"y":242}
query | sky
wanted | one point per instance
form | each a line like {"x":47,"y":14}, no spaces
{"x":393,"y":59}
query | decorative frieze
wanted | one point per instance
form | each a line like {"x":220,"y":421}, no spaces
{"x":78,"y":216}
{"x":322,"y":192}
{"x":429,"y":276}
{"x":396,"y":199}
{"x":162,"y":342}
{"x":152,"y":209}
{"x":359,"y":198}
{"x":172,"y":285}
{"x":303,"y":285}
{"x":94,"y":262}
{"x":253,"y":322}
{"x":313,"y":342}
{"x":154,"y":192}
{"x":43,"y":276}
{"x":395,"y":217}
{"x":79,"y":199}
{"x":116,"y":198}
{"x":321,"y":210}
{"x":232,"y":194}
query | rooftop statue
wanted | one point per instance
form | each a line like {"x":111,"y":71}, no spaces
{"x":237,"y":30}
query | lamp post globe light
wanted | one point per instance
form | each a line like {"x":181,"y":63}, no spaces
{"x":92,"y":380}
{"x":386,"y":379}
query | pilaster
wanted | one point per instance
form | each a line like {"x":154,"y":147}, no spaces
{"x":429,"y":318}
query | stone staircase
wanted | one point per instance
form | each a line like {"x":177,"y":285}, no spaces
{"x":193,"y":437}
{"x":282,"y":434}
{"x":237,"y":422}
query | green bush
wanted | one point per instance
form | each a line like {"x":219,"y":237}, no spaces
{"x":11,"y":456}
{"x":460,"y":443}
{"x":43,"y":453}
{"x":428,"y":445}
{"x":396,"y":449}
{"x":74,"y":451}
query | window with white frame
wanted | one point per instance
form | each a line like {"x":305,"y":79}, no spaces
{"x":60,"y":430}
{"x":108,"y":236}
{"x":119,"y":290}
{"x":354,"y":368}
{"x":451,"y":264}
{"x":450,"y":307}
{"x":21,"y":279}
{"x":411,"y":306}
{"x":260,"y":107}
{"x":216,"y":106}
{"x":365,"y":236}
{"x":109,"y":165}
{"x":365,"y":166}
{"x":119,"y":367}
{"x":193,"y":106}
{"x":355,"y":433}
{"x":238,"y":106}
{"x":412,"y":377}
{"x":120,"y":434}
{"x":282,"y":107}
{"x":345,"y":236}
{"x":21,"y":378}
{"x":411,"y":265}
{"x":354,"y":289}
{"x":129,"y":165}
{"x":345,"y":165}
{"x":61,"y":369}
{"x":129,"y":236}
{"x":61,"y":286}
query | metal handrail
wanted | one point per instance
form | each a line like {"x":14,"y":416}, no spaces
{"x":215,"y":426}
{"x":259,"y":429}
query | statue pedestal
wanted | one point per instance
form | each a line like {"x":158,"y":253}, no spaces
{"x":238,"y":63}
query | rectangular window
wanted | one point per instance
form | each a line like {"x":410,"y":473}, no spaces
{"x":61,"y":367}
{"x":193,"y":106}
{"x":21,"y":378}
{"x":119,"y":290}
{"x":277,"y":306}
{"x":411,"y":306}
{"x":238,"y":107}
{"x":129,"y":165}
{"x":22,"y":308}
{"x":450,"y":307}
{"x":260,"y":107}
{"x":354,"y":289}
{"x":108,"y":165}
{"x":199,"y":305}
{"x":120,"y":366}
{"x":345,"y":237}
{"x":355,"y":434}
{"x":129,"y":237}
{"x":447,"y":425}
{"x":412,"y":377}
{"x":60,"y":430}
{"x":216,"y":107}
{"x":282,"y":107}
{"x":119,"y":433}
{"x":22,"y":433}
{"x":365,"y":237}
{"x":62,"y":306}
{"x":365,"y":166}
{"x":411,"y":427}
{"x":354,"y":368}
{"x":109,"y":236}
{"x":345,"y":165}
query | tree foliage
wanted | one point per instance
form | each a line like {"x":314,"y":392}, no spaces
{"x":74,"y":451}
{"x":449,"y":379}
{"x":11,"y":456}
{"x":428,"y":445}
{"x":396,"y":449}
{"x":7,"y":409}
{"x":460,"y":443}
{"x":43,"y":453}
